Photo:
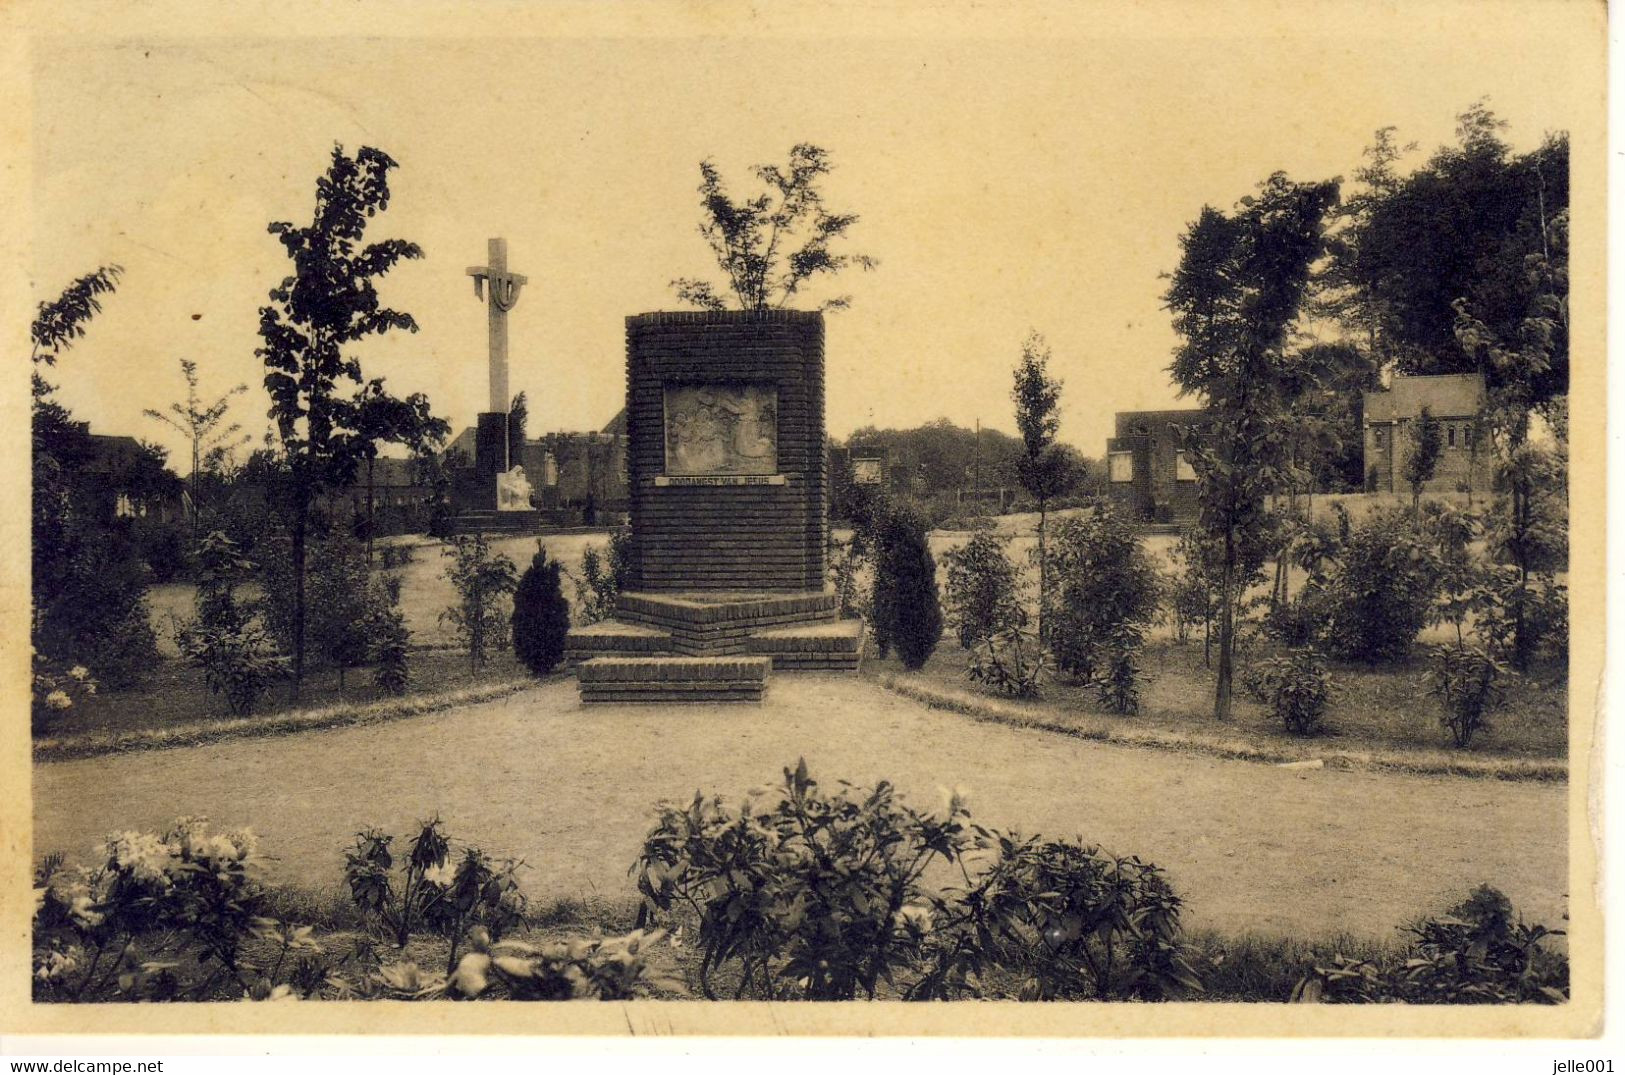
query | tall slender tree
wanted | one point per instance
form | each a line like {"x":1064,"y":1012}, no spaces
{"x":200,"y":424}
{"x":1239,"y":287}
{"x":329,"y":304}
{"x":1423,"y":461}
{"x":1045,"y":469}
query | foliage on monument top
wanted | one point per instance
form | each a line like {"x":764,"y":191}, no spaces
{"x":752,"y":239}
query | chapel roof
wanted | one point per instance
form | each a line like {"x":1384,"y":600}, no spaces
{"x":1446,"y":395}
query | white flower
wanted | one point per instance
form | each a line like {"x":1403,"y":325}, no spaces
{"x":472,"y":974}
{"x":58,"y":699}
{"x":142,"y":854}
{"x":82,"y":913}
{"x":913,"y":917}
{"x":79,"y":672}
{"x":441,"y":875}
{"x":955,"y":800}
{"x":55,"y":964}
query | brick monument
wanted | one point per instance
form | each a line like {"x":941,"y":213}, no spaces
{"x":727,"y":470}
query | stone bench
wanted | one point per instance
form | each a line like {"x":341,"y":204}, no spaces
{"x":673,"y":679}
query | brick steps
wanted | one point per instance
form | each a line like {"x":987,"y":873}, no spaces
{"x":673,"y":679}
{"x":614,"y":638}
{"x":833,"y":646}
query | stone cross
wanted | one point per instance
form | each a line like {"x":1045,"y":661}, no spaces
{"x":502,"y":293}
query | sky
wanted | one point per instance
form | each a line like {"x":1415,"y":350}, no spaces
{"x":1007,"y":181}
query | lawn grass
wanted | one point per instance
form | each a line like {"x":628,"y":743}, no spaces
{"x":176,"y":695}
{"x":1373,"y":710}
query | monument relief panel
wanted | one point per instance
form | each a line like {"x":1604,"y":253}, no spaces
{"x":715,"y":429}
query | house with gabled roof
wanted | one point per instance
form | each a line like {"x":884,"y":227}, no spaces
{"x":1392,"y":415}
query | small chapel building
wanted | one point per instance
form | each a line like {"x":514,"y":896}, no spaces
{"x":1390,"y":417}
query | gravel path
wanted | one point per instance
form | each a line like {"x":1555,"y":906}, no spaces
{"x":570,"y":789}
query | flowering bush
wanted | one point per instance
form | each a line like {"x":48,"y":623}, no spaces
{"x":1474,"y":954}
{"x":56,"y":689}
{"x":802,"y":894}
{"x":160,"y":917}
{"x":1070,"y":921}
{"x":451,"y":895}
{"x":576,"y":968}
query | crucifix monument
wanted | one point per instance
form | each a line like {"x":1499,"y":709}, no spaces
{"x":500,"y":290}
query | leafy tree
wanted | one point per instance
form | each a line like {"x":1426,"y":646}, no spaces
{"x":482,"y":579}
{"x":1458,"y":229}
{"x":328,"y":304}
{"x":906,"y":611}
{"x":1239,"y":287}
{"x":201,"y":424}
{"x":1045,"y":470}
{"x":752,"y":239}
{"x":541,"y":615}
{"x":1423,"y":461}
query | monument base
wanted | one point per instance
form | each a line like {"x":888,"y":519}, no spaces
{"x":792,"y":631}
{"x":673,"y":679}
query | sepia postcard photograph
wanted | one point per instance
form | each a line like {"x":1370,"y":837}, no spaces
{"x":1035,"y":521}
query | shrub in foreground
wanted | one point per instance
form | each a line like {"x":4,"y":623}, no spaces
{"x":159,"y":917}
{"x":1476,"y":953}
{"x":813,"y":895}
{"x":436,"y":889}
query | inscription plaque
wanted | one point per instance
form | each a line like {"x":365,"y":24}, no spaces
{"x":721,"y":429}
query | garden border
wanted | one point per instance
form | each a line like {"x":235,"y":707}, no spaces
{"x":1123,"y":732}
{"x":287,"y":722}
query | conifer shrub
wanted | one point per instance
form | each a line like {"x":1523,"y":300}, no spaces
{"x":541,"y":615}
{"x":907,"y":613}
